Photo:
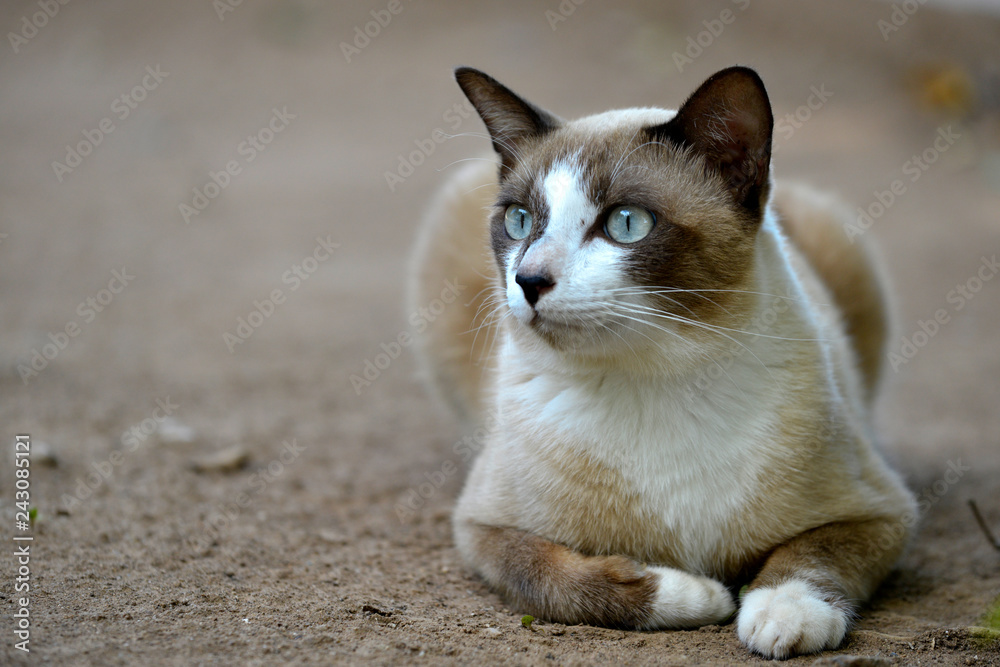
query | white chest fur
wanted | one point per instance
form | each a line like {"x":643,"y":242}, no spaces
{"x":684,"y":457}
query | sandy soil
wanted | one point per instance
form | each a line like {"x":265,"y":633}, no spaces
{"x":256,"y":523}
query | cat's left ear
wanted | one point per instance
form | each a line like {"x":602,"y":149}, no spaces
{"x":728,"y":120}
{"x":510,"y":119}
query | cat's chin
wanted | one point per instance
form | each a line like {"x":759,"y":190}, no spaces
{"x":584,"y":338}
{"x":562,"y":335}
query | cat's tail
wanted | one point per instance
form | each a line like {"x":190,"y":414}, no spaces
{"x":451,"y":306}
{"x":826,"y":233}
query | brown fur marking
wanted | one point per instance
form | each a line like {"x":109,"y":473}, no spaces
{"x":550,"y":581}
{"x":845,"y":560}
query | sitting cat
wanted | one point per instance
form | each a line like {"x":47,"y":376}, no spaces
{"x":681,"y":359}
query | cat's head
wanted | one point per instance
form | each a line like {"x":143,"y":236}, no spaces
{"x":611,"y":230}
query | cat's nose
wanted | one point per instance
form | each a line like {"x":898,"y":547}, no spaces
{"x":534,"y":286}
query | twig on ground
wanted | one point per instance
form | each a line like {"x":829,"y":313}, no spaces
{"x":982,"y":525}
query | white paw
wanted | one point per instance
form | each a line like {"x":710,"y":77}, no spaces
{"x":789,"y":619}
{"x":686,"y":600}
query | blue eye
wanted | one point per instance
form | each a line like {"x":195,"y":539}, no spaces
{"x":628,"y":224}
{"x":517,"y":220}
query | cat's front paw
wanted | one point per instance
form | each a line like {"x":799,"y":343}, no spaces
{"x":687,"y":600}
{"x":789,"y":619}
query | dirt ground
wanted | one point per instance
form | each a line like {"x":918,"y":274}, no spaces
{"x":212,"y":488}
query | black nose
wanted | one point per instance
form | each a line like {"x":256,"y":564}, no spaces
{"x":534,"y":286}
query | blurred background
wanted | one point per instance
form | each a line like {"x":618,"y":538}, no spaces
{"x":206,"y":213}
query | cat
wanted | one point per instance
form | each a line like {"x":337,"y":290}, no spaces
{"x":680,"y":359}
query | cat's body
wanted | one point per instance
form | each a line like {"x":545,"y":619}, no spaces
{"x":683,"y":401}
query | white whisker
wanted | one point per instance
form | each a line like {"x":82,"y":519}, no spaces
{"x":683,"y":320}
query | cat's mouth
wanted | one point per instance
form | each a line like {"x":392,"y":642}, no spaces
{"x":549,"y":323}
{"x":570,"y":324}
{"x":562,"y":330}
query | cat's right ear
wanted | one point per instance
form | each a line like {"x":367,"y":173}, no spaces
{"x":510,"y":119}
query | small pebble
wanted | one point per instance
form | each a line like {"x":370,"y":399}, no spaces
{"x":170,"y":431}
{"x":42,"y":454}
{"x":332,"y":536}
{"x":225,"y":460}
